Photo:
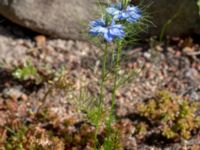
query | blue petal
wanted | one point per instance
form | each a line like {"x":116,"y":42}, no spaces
{"x":98,"y":22}
{"x":108,"y":37}
{"x":131,"y":20}
{"x":131,"y":13}
{"x":134,"y":9}
{"x":112,"y":23}
{"x":119,"y":26}
{"x":98,"y":30}
{"x":124,"y":15}
{"x":134,"y":18}
{"x":113,"y":11}
{"x":117,"y":33}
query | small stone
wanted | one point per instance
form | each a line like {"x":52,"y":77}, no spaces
{"x":192,"y":73}
{"x":24,"y":97}
{"x":13,"y":92}
{"x":170,"y":49}
{"x":159,"y":48}
{"x":178,"y":53}
{"x":147,"y":55}
{"x":188,"y":50}
{"x":40,"y":41}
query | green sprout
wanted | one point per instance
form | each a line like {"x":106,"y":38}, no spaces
{"x":27,"y":72}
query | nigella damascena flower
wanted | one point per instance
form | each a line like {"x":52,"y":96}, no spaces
{"x":109,"y":32}
{"x":130,"y":13}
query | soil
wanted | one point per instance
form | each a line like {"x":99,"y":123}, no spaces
{"x":172,"y":65}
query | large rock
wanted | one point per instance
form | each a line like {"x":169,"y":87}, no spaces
{"x":58,"y":18}
{"x":65,"y":18}
{"x":178,"y":17}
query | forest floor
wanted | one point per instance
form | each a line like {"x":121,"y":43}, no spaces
{"x":29,"y":61}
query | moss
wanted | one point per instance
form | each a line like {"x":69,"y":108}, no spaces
{"x":174,"y":117}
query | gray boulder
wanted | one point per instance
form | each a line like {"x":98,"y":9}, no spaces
{"x":178,"y":17}
{"x":65,"y":18}
{"x":57,"y":18}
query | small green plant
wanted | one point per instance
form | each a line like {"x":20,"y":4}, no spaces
{"x":112,"y":141}
{"x":61,"y":81}
{"x":27,"y":72}
{"x":173,"y":117}
{"x":30,"y":137}
{"x":15,"y":139}
{"x":119,"y":24}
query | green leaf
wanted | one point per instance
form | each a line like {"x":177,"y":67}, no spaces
{"x":198,"y":3}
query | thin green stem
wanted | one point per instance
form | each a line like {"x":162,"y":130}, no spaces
{"x":114,"y":87}
{"x":170,"y":20}
{"x":103,"y":74}
{"x":101,"y":96}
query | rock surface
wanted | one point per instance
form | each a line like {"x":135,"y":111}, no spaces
{"x":65,"y":18}
{"x":182,"y":16}
{"x":58,"y":18}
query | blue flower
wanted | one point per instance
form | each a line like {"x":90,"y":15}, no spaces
{"x":130,"y":13}
{"x":109,"y":32}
